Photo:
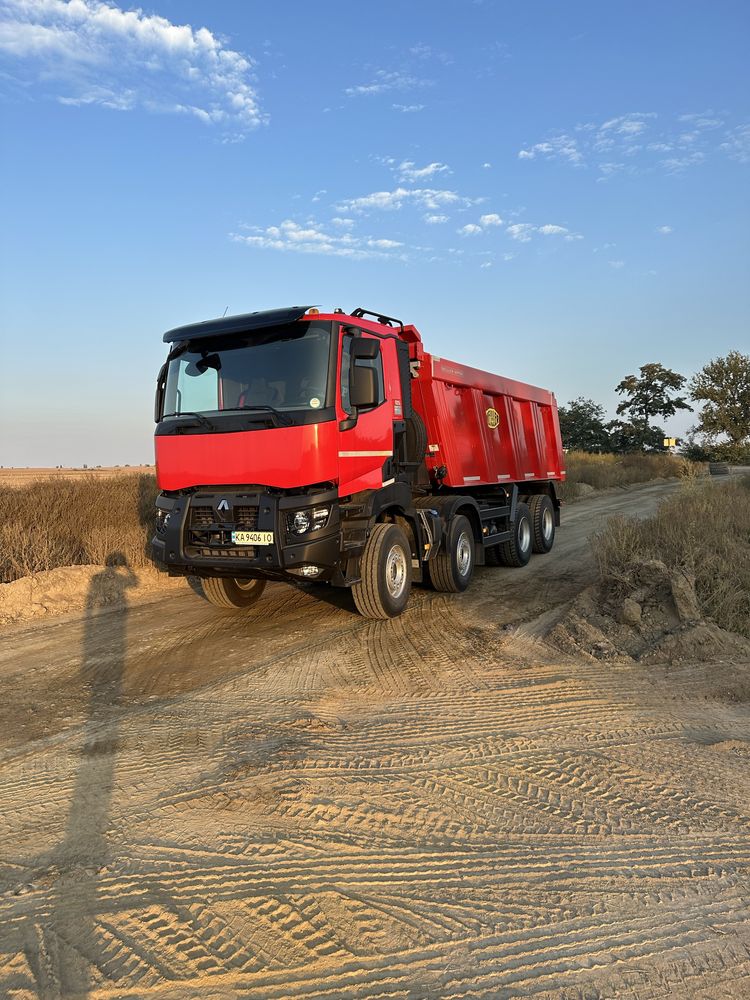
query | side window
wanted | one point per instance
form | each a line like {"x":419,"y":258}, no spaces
{"x":377,"y":364}
{"x":346,"y":362}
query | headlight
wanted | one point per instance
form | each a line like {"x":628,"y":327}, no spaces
{"x":313,"y":519}
{"x":301,"y":522}
{"x":162,"y":520}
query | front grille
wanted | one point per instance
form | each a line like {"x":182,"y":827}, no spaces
{"x":202,"y":517}
{"x":242,"y":516}
{"x":246,"y":517}
{"x":210,"y":536}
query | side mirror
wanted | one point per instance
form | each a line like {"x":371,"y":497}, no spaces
{"x":364,"y":387}
{"x":160,"y":386}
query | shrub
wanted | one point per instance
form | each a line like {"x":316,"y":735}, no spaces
{"x":704,"y":530}
{"x":56,"y":522}
{"x":604,"y":471}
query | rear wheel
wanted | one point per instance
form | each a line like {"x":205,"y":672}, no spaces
{"x":517,"y":550}
{"x":385,"y":573}
{"x":542,"y":522}
{"x":452,"y":568}
{"x":232,"y":594}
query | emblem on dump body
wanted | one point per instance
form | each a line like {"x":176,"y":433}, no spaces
{"x":223,"y":504}
{"x":493,"y":418}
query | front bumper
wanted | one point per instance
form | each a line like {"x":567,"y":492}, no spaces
{"x":193,"y":536}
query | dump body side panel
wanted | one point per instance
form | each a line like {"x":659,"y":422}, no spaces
{"x":485,"y":429}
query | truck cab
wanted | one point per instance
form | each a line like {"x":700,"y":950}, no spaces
{"x":285,"y":441}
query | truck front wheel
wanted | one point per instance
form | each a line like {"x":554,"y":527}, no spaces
{"x":232,"y":594}
{"x":452,"y":568}
{"x":385,"y":573}
{"x":517,"y":550}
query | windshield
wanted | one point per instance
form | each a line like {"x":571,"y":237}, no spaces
{"x":281,"y":368}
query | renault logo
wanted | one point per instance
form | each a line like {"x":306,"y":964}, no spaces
{"x":223,"y":504}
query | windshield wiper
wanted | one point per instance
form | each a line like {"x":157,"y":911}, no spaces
{"x":196,"y":416}
{"x":281,"y":417}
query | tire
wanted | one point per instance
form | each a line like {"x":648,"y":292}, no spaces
{"x":517,"y":550}
{"x":232,"y":594}
{"x":452,"y":568}
{"x":385,"y":573}
{"x":542,"y":512}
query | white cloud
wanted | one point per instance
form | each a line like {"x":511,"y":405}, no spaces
{"x":408,"y":109}
{"x":384,"y":244}
{"x":737,"y":144}
{"x":638,"y":141}
{"x":313,"y":239}
{"x":384,"y":81}
{"x":486,"y":264}
{"x":434,"y":220}
{"x":564,"y":147}
{"x":521,"y":231}
{"x":486,"y":166}
{"x":616,"y":264}
{"x":338,"y":221}
{"x":704,"y":120}
{"x":630,"y":124}
{"x":470,"y":229}
{"x":664,"y":230}
{"x":428,"y":198}
{"x":123,"y":59}
{"x":676,"y":164}
{"x":410,"y":173}
{"x":490,"y":220}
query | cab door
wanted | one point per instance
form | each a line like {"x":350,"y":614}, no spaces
{"x":366,"y":432}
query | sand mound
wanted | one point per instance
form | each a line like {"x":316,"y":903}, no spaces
{"x":653,"y":617}
{"x":71,"y":588}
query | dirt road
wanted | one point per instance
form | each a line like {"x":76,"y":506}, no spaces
{"x":308,"y":804}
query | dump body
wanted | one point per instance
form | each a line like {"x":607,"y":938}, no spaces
{"x":484,"y":429}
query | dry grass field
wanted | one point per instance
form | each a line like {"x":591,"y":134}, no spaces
{"x":24,"y":477}
{"x":602,"y":472}
{"x":75,"y":521}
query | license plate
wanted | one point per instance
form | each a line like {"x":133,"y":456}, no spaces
{"x":252,"y":538}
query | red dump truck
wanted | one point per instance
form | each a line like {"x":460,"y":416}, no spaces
{"x":297,"y":445}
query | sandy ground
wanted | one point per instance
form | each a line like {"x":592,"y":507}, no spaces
{"x":22,"y":477}
{"x":305,"y":804}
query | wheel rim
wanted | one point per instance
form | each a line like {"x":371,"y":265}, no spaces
{"x":547,"y":524}
{"x":395,"y":571}
{"x":463,"y":553}
{"x":246,"y":584}
{"x":524,"y":534}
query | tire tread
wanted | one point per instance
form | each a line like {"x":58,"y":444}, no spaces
{"x":508,"y":551}
{"x":366,"y":593}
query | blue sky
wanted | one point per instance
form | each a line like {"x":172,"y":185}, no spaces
{"x":555,"y":192}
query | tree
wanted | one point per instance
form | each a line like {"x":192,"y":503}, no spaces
{"x":582,"y":425}
{"x":723,"y":386}
{"x":628,"y":436}
{"x":651,"y":395}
